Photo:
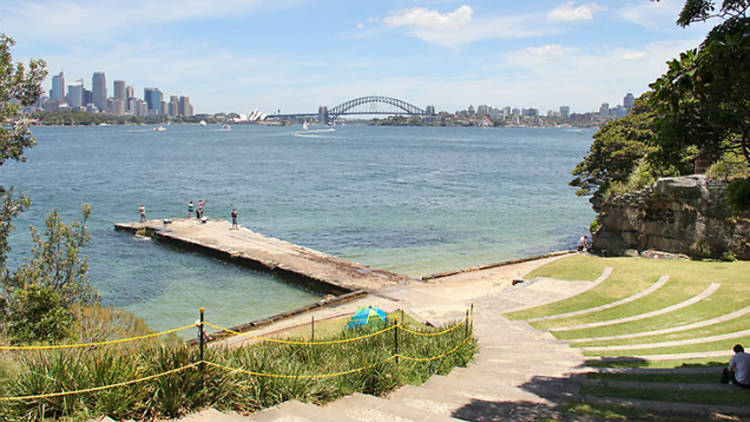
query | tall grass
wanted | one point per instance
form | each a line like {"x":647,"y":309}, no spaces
{"x":30,"y":373}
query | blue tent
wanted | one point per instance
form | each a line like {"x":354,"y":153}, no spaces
{"x":367,"y":315}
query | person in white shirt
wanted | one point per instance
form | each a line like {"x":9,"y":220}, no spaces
{"x":584,"y":243}
{"x":738,"y":371}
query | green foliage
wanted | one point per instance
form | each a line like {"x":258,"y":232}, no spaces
{"x":42,"y":290}
{"x":738,"y":194}
{"x":189,"y":390}
{"x":702,"y":102}
{"x":702,"y":10}
{"x":70,"y":117}
{"x":731,"y":164}
{"x":728,"y":256}
{"x":37,"y":315}
{"x":618,"y":147}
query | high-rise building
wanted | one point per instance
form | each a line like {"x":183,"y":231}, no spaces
{"x":119,"y":90}
{"x":58,"y":87}
{"x":604,"y":110}
{"x":564,"y":112}
{"x":627,"y":102}
{"x":75,"y":94}
{"x":88,"y":97}
{"x":185,"y":108}
{"x":99,"y":85}
{"x":430,"y":110}
{"x":153,"y":98}
{"x":174,"y":106}
{"x":129,"y":92}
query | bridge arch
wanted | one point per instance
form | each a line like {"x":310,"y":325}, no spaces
{"x":343,"y":108}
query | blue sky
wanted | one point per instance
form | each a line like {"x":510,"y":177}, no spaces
{"x":294,"y":55}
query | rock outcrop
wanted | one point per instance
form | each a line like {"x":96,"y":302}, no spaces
{"x":687,"y":214}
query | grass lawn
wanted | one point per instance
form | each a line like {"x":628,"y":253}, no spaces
{"x":727,"y":327}
{"x":734,"y":398}
{"x":725,"y":345}
{"x":668,"y":378}
{"x":658,"y":364}
{"x":614,"y":412}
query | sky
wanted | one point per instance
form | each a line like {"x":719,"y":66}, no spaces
{"x":295,"y":55}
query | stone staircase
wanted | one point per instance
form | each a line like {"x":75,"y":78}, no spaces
{"x":520,"y":374}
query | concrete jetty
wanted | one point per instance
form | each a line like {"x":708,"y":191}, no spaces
{"x":314,"y":270}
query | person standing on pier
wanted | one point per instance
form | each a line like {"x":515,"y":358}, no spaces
{"x":234,"y":219}
{"x":190,"y":209}
{"x":142,"y":210}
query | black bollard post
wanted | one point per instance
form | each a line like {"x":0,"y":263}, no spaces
{"x":466,"y":325}
{"x":395,"y":339}
{"x":201,"y":337}
{"x":312,"y":328}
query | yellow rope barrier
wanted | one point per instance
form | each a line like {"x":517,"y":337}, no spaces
{"x":311,"y":343}
{"x":104,"y":387}
{"x":434,"y":357}
{"x":417,"y":333}
{"x":100,"y":343}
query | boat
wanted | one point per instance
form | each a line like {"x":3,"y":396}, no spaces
{"x":305,"y":126}
{"x":203,"y":123}
{"x":160,"y":129}
{"x":226,"y":127}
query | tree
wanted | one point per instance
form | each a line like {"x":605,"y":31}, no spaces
{"x":19,"y":86}
{"x":40,"y":292}
{"x":702,"y":102}
{"x":618,"y":148}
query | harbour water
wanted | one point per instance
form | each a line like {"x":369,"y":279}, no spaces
{"x":414,"y":200}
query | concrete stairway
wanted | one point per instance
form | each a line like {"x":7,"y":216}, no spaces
{"x":520,"y":374}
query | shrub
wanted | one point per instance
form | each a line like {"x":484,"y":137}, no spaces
{"x":738,"y":194}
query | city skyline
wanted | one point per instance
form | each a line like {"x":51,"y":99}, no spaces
{"x":123,"y":100}
{"x":297,"y":55}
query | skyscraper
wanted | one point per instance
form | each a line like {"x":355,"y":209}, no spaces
{"x":627,"y":102}
{"x":120,"y":90}
{"x":153,"y":98}
{"x":564,"y":112}
{"x":75,"y":94}
{"x":58,"y":87}
{"x":99,"y":84}
{"x":185,"y":108}
{"x":174,"y":106}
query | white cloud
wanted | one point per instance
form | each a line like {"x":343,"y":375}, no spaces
{"x":89,"y":19}
{"x":546,"y":50}
{"x":570,"y":12}
{"x":430,"y":19}
{"x":652,"y":14}
{"x":459,"y":27}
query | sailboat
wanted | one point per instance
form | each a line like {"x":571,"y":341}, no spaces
{"x":305,"y":126}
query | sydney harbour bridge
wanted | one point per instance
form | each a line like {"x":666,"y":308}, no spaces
{"x":370,"y":105}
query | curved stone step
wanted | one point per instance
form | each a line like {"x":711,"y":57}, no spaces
{"x":658,"y":284}
{"x":695,"y":299}
{"x":367,"y":408}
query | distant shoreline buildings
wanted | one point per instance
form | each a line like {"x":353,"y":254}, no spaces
{"x":122,"y":103}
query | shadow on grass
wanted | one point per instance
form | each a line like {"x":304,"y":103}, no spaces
{"x":562,"y":400}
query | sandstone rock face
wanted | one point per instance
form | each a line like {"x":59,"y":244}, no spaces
{"x":686,"y":214}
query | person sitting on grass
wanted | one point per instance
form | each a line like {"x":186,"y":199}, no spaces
{"x":738,"y":371}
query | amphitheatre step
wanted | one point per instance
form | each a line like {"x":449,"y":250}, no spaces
{"x":658,"y":284}
{"x":293,"y":411}
{"x":698,"y":340}
{"x":661,"y":371}
{"x":662,"y":385}
{"x":693,"y":300}
{"x":675,"y":407}
{"x":705,"y":323}
{"x":367,"y":408}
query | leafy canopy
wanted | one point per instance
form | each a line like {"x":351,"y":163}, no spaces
{"x":39,"y":293}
